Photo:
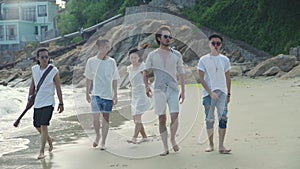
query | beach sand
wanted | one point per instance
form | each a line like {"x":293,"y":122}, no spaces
{"x":263,"y":133}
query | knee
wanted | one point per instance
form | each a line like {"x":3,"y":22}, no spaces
{"x":223,"y":123}
{"x":209,"y":124}
{"x":162,"y":120}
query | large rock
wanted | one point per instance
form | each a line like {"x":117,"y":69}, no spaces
{"x":284,"y":62}
{"x":272,"y":71}
{"x":236,"y":71}
{"x":12,"y":76}
{"x":295,"y":72}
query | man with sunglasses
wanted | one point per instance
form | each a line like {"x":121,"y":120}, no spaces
{"x":44,"y":100}
{"x":102,"y":71}
{"x":166,"y":63}
{"x":214,"y":75}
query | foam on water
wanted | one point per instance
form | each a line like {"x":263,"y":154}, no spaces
{"x":13,"y":101}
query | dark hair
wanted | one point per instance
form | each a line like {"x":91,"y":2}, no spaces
{"x":38,"y":54}
{"x":159,"y":32}
{"x":41,"y":50}
{"x":138,"y":51}
{"x":100,"y":42}
{"x":215,"y":36}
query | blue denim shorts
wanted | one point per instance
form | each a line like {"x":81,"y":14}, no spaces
{"x":101,"y":105}
{"x":220,"y":105}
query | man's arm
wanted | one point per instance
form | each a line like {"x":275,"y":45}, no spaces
{"x":205,"y":86}
{"x":31,"y":89}
{"x":115,"y":86}
{"x":146,"y":81}
{"x":59,"y":93}
{"x":228,"y":84}
{"x":182,"y":83}
{"x":88,"y":90}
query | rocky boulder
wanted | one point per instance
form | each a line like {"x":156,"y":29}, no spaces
{"x":295,"y":72}
{"x":284,"y":62}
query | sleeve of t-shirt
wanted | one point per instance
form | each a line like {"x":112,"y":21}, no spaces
{"x":88,"y":72}
{"x":201,"y":66}
{"x":227,"y":64}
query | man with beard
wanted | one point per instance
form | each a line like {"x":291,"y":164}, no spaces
{"x":166,"y":63}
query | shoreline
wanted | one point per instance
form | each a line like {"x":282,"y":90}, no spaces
{"x":263,"y":132}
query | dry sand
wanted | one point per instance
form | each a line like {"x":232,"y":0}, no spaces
{"x":263,"y":133}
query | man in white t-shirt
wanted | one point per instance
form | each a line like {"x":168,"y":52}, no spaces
{"x":215,"y":78}
{"x":102,"y":71}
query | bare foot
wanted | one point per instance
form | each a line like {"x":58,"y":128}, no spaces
{"x":102,"y":147}
{"x":96,"y":142}
{"x":175,"y":148}
{"x":210,"y":148}
{"x":223,"y":150}
{"x":143,"y":140}
{"x":41,"y":156}
{"x":133,"y":141}
{"x":50,"y":144}
{"x":164,"y":153}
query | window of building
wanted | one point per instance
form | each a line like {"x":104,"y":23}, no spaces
{"x":29,"y":13}
{"x":11,"y":13}
{"x":11,"y":32}
{"x":36,"y":30}
{"x":42,"y":10}
{"x":1,"y":33}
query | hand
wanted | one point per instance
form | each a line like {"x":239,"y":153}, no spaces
{"x":60,"y":108}
{"x":88,"y":98}
{"x":181,"y":97}
{"x":148,"y":92}
{"x":228,"y":98}
{"x":115,"y":99}
{"x":214,"y":96}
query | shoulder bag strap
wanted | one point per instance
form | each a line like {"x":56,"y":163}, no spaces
{"x":43,"y":78}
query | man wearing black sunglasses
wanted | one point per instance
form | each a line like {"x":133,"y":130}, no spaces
{"x":44,"y":100}
{"x":215,"y":78}
{"x":166,"y":63}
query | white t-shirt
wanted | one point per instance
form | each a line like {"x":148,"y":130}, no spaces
{"x":102,"y":72}
{"x":45,"y":95}
{"x":214,"y":68}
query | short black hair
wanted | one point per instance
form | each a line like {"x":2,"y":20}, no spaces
{"x":38,"y":53}
{"x":215,"y":36}
{"x":138,"y":51}
{"x":41,"y":50}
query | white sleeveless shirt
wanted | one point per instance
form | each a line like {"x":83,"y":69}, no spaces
{"x":45,"y":95}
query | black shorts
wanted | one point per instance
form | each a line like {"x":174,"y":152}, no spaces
{"x":42,"y":116}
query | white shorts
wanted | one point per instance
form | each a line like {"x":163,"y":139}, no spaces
{"x":161,"y":99}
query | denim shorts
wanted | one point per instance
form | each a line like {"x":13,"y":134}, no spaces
{"x":42,"y":116}
{"x":161,"y":99}
{"x":220,"y":105}
{"x":101,"y":105}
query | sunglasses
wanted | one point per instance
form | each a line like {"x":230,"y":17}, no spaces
{"x":167,"y":36}
{"x":216,"y":43}
{"x":44,"y":57}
